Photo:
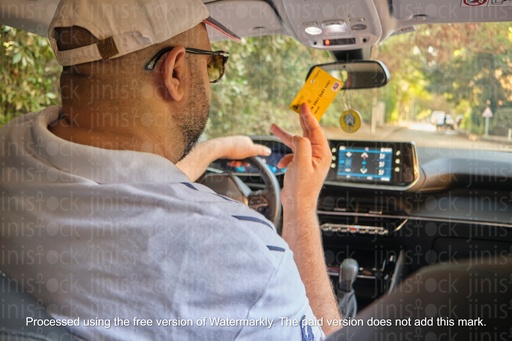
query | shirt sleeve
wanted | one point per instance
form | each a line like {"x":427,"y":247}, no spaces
{"x":283,"y":308}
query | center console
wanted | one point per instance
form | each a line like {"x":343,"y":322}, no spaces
{"x":381,"y":266}
{"x":361,"y":226}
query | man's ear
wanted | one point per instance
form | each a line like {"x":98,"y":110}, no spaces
{"x":174,"y":67}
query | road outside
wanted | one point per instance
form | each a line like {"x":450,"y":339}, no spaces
{"x":424,"y":135}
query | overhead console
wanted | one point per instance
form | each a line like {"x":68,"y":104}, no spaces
{"x":333,"y":25}
{"x":392,"y":165}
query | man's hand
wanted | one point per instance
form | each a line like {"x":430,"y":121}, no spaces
{"x":239,"y":147}
{"x":309,"y":163}
{"x":303,"y":180}
{"x":229,"y":147}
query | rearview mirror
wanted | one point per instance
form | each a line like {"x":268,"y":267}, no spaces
{"x":359,"y":74}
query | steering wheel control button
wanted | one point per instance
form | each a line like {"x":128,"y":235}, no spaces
{"x":350,"y":121}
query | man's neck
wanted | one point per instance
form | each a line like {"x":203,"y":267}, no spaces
{"x":122,"y":130}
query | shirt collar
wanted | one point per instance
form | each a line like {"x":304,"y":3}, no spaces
{"x":98,"y":164}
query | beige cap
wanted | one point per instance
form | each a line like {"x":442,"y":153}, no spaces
{"x":125,"y":26}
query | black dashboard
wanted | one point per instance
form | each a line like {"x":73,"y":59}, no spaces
{"x":396,"y":208}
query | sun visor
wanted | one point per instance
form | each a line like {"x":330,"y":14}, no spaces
{"x":244,"y":18}
{"x":438,"y":11}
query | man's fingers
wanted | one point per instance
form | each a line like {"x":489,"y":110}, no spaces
{"x":285,"y":161}
{"x":285,"y":137}
{"x":261,"y":150}
{"x":302,"y":151}
{"x":310,"y":125}
{"x":304,"y":111}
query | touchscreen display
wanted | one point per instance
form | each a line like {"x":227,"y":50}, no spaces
{"x":383,"y":163}
{"x":365,"y":164}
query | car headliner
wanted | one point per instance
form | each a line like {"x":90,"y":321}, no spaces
{"x":368,"y":21}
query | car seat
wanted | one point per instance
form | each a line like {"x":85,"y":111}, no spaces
{"x":462,"y":300}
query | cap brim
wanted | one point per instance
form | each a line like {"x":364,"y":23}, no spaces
{"x":221,"y":28}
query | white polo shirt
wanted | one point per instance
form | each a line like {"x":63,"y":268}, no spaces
{"x":120,"y":245}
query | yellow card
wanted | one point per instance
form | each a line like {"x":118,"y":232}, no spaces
{"x":318,"y":92}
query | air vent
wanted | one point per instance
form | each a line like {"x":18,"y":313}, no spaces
{"x":354,"y":229}
{"x":359,"y":217}
{"x":377,"y":205}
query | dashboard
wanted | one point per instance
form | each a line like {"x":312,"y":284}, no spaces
{"x":354,"y":162}
{"x":396,"y":208}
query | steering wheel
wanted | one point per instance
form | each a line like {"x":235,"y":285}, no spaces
{"x":266,"y":201}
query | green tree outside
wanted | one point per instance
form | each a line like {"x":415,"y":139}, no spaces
{"x":265,"y":73}
{"x":29,"y":73}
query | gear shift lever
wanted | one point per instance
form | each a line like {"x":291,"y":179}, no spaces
{"x":346,"y":295}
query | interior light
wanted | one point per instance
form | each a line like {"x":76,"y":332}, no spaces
{"x":313,"y":30}
{"x":335,"y":27}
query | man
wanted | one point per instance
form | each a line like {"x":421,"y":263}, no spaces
{"x":103,"y":228}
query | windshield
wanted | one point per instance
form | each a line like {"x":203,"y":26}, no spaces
{"x":450,"y":86}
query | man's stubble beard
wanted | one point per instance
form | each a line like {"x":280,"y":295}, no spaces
{"x":193,"y":121}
